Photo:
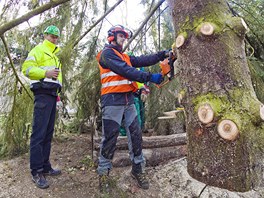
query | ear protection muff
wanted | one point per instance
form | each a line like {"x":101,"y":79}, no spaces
{"x":111,"y":38}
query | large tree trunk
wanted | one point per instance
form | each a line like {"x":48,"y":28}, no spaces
{"x":223,"y":116}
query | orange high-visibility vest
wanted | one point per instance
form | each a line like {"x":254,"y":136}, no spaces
{"x":112,"y":82}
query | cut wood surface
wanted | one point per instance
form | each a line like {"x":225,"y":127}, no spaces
{"x":170,"y":114}
{"x":150,"y":142}
{"x":167,"y":117}
{"x":173,"y":112}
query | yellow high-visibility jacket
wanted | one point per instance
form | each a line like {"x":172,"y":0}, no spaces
{"x":40,"y":59}
{"x":140,"y":85}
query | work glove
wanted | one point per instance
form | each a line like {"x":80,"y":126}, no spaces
{"x":143,"y":96}
{"x":144,"y":92}
{"x":163,"y":54}
{"x":167,"y":53}
{"x":156,"y":78}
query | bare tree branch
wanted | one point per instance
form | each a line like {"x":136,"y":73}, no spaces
{"x":15,"y":22}
{"x":100,"y":19}
{"x":144,"y":22}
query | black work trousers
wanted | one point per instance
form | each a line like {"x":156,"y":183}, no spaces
{"x":42,"y":132}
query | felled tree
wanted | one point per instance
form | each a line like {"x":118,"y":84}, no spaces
{"x":224,"y":118}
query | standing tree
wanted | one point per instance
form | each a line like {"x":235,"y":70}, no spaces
{"x":224,"y":118}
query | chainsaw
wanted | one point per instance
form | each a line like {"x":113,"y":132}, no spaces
{"x":167,"y":69}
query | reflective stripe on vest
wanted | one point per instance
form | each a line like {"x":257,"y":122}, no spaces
{"x":114,"y":83}
{"x":108,"y":74}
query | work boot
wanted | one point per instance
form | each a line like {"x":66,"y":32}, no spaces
{"x":52,"y":172}
{"x":141,"y":179}
{"x":40,"y":181}
{"x":104,"y":184}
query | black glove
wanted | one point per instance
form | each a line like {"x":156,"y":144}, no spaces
{"x":156,"y":78}
{"x":167,"y":53}
{"x":164,"y":54}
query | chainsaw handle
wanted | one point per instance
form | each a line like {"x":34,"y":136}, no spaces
{"x":162,"y":84}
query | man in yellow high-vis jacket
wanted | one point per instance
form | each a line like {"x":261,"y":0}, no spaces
{"x":43,"y":68}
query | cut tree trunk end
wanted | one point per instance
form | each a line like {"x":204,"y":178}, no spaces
{"x":261,"y":111}
{"x":205,"y":114}
{"x":207,"y":28}
{"x":180,"y":40}
{"x":228,"y":130}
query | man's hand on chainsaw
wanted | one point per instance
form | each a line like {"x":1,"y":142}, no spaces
{"x":167,"y":53}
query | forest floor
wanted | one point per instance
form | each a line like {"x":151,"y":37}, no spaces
{"x":72,"y":154}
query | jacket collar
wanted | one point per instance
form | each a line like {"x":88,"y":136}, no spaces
{"x":118,"y":48}
{"x":51,"y":46}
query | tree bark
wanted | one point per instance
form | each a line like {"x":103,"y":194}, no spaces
{"x":223,"y":124}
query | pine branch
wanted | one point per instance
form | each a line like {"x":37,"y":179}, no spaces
{"x":249,"y":12}
{"x":147,"y":29}
{"x":249,"y":24}
{"x":144,"y":23}
{"x":98,"y":21}
{"x":12,"y":65}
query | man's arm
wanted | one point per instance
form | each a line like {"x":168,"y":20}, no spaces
{"x":148,"y":60}
{"x":30,"y":67}
{"x":113,"y":62}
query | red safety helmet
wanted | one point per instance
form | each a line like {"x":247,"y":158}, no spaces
{"x":118,"y":29}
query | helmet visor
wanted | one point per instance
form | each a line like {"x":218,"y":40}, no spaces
{"x":129,"y":33}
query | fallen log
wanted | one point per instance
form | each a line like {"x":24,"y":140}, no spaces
{"x":153,"y":157}
{"x":157,"y":156}
{"x":150,"y":142}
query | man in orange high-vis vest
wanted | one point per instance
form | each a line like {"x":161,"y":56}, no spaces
{"x":118,"y":77}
